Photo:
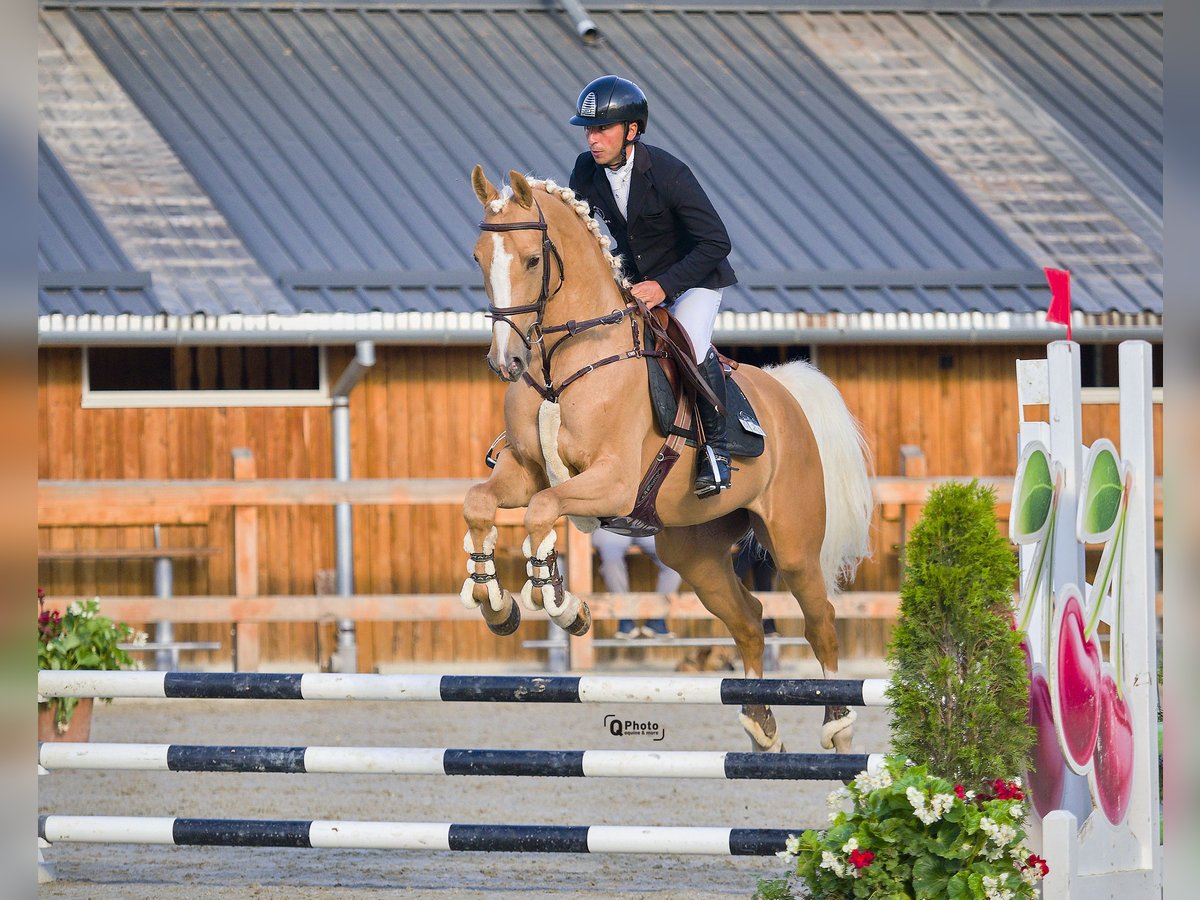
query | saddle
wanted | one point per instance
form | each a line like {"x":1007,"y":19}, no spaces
{"x":674,"y":382}
{"x":745,"y":440}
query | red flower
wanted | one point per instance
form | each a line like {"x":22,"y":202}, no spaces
{"x":959,"y":792}
{"x":1036,"y":862}
{"x":1007,"y":791}
{"x":860,"y":859}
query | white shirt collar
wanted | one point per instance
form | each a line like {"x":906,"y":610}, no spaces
{"x":618,"y":180}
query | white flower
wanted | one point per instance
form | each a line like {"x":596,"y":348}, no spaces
{"x":75,"y":608}
{"x":831,"y":862}
{"x":140,"y":638}
{"x":851,"y":844}
{"x":942,"y":803}
{"x":917,"y":799}
{"x":835,"y":798}
{"x":1000,"y":835}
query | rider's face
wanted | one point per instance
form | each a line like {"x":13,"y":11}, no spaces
{"x":605,"y":142}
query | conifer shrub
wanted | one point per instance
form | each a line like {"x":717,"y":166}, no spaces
{"x":960,"y":689}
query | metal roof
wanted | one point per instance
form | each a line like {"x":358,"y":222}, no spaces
{"x":1101,"y":76}
{"x":337,"y":144}
{"x":1063,"y":207}
{"x":80,"y":265}
{"x":336,"y":139}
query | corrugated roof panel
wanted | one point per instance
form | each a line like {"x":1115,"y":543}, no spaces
{"x":71,"y":238}
{"x":340,"y":140}
{"x":80,"y":265}
{"x":1063,"y":209}
{"x":1101,"y":76}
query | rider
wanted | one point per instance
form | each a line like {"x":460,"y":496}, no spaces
{"x":671,"y":240}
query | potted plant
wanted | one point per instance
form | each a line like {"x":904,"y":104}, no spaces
{"x":951,"y":826}
{"x":79,"y":639}
{"x":909,"y":835}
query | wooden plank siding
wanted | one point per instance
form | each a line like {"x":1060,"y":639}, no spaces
{"x":431,"y":412}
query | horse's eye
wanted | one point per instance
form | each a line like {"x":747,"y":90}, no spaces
{"x":532,"y":262}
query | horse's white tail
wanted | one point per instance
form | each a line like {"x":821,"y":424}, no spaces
{"x":846,"y":459}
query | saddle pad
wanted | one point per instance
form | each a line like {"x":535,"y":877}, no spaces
{"x":742,"y":430}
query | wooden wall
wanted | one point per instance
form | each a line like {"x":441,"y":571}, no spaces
{"x":432,"y":412}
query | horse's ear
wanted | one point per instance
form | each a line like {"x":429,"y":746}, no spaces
{"x":521,"y":189}
{"x":484,"y":189}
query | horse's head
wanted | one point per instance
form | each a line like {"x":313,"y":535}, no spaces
{"x":516,"y":256}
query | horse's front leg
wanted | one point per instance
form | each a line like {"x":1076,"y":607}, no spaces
{"x":600,"y":490}
{"x":510,"y":487}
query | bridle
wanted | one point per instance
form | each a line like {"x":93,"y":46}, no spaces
{"x":503,"y":313}
{"x":536,"y":333}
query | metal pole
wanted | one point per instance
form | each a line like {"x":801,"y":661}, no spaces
{"x":584,"y":26}
{"x":165,"y":659}
{"x":345,"y":655}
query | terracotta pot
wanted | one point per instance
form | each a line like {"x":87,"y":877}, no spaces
{"x":79,"y":728}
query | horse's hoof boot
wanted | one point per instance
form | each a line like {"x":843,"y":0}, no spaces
{"x":582,"y":623}
{"x":509,"y":625}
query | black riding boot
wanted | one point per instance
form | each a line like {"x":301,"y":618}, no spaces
{"x":712,"y":460}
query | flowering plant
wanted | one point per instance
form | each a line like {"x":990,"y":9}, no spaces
{"x":81,"y":639}
{"x":909,"y":834}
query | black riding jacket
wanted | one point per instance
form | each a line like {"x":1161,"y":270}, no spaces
{"x":673,"y":236}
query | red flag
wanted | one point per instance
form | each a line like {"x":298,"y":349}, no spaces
{"x":1060,"y":298}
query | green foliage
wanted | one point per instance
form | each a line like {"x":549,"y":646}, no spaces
{"x":773,"y":889}
{"x":909,"y":835}
{"x":80,"y":639}
{"x":960,"y":688}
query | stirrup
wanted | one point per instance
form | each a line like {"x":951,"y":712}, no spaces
{"x":711,"y":480}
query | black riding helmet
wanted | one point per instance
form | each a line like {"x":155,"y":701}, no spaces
{"x":610,"y":99}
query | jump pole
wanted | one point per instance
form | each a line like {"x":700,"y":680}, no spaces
{"x":463,"y":688}
{"x":321,"y":834}
{"x":55,"y":756}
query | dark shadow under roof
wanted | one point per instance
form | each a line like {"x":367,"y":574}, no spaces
{"x":338,"y":142}
{"x":80,"y":266}
{"x":1101,"y":76}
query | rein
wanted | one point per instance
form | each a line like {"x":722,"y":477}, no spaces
{"x":535,"y":335}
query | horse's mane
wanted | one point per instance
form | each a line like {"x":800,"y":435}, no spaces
{"x":567,"y":196}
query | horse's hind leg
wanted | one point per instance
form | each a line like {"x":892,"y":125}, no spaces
{"x":796,"y":549}
{"x":701,"y":554}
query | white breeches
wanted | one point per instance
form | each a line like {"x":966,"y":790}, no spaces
{"x":614,"y":567}
{"x":696,"y":309}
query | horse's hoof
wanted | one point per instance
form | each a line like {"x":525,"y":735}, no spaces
{"x":583,"y":621}
{"x":509,"y":625}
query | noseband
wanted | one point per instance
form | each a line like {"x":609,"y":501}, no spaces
{"x":504,"y":313}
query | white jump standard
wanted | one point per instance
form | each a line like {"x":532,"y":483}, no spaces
{"x":464,"y":688}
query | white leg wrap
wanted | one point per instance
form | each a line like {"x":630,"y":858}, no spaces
{"x":545,"y":594}
{"x":495,"y":595}
{"x":831,"y":730}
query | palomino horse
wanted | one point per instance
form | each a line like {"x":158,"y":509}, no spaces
{"x":557,"y":298}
